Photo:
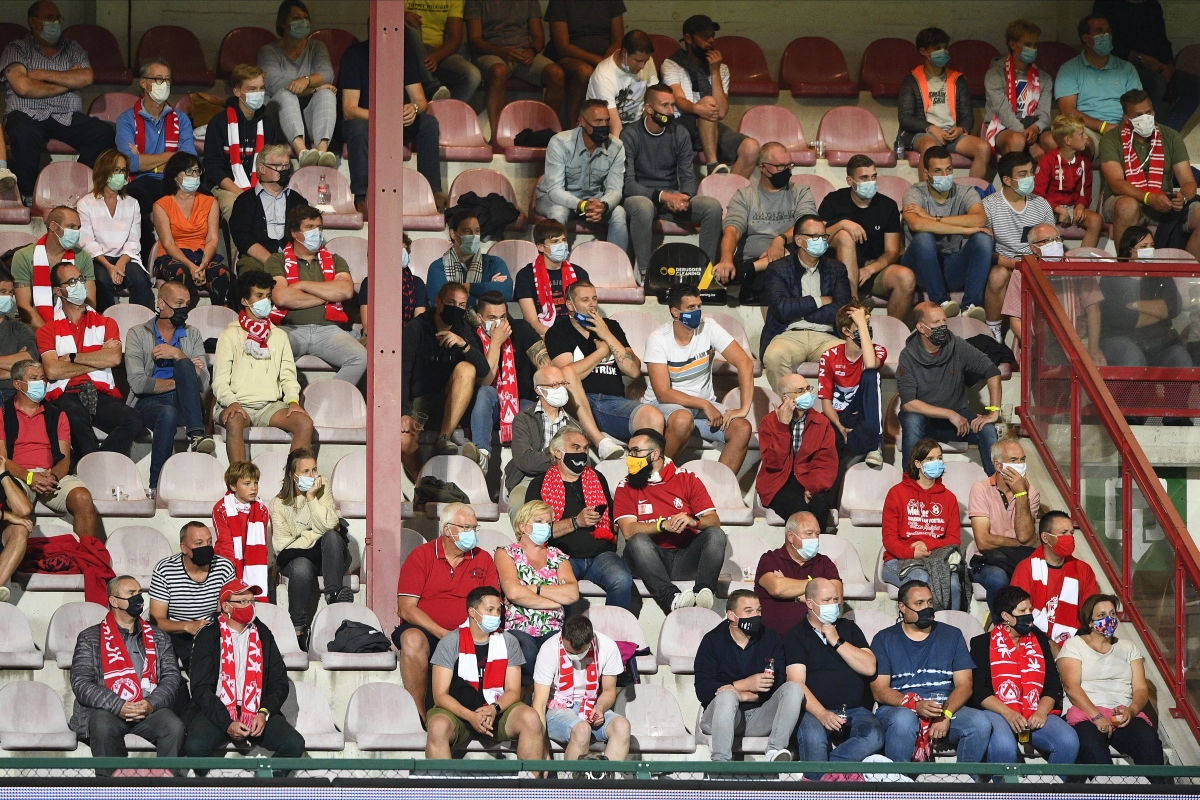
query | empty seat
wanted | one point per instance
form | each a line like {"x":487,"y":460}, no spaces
{"x":1187,"y":59}
{"x":1090,"y":254}
{"x":959,"y":477}
{"x":893,"y":334}
{"x":354,"y":250}
{"x":466,"y":475}
{"x":32,"y":718}
{"x":66,"y":623}
{"x":775,"y":124}
{"x":849,"y":130}
{"x":966,"y":623}
{"x":733,"y":326}
{"x":211,"y":320}
{"x":460,"y":137}
{"x":973,"y":58}
{"x":424,"y":251}
{"x":307,"y":709}
{"x":816,"y":184}
{"x":182,"y":49}
{"x":60,"y":183}
{"x":680,"y":635}
{"x":241,"y":46}
{"x":10,"y":31}
{"x":383,"y":716}
{"x":743,"y":549}
{"x":855,"y":585}
{"x":135,"y":549}
{"x":764,"y":400}
{"x":13,"y":211}
{"x":325,"y":626}
{"x":748,"y":72}
{"x":338,"y":411}
{"x":1052,"y":55}
{"x":280,"y":624}
{"x":621,"y":626}
{"x":129,"y":315}
{"x":344,"y":217}
{"x":336,"y":41}
{"x":271,"y":465}
{"x":10,"y":240}
{"x":613,"y":471}
{"x":111,"y":105}
{"x":870,"y":621}
{"x":349,"y":485}
{"x":17,"y":648}
{"x":104,"y":54}
{"x":190,"y":484}
{"x":885,"y":62}
{"x":655,"y":721}
{"x":517,"y":116}
{"x":609,"y":268}
{"x":893,"y":187}
{"x":1173,"y":254}
{"x":722,"y":186}
{"x":813,"y":66}
{"x":516,"y":253}
{"x":420,"y":210}
{"x":484,"y":182}
{"x":664,"y":48}
{"x":722,"y":486}
{"x":863,"y":492}
{"x":105,"y":474}
{"x":491,"y":540}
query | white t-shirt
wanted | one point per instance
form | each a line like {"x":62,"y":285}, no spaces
{"x":545,"y":669}
{"x":621,"y":90}
{"x":1010,"y":228}
{"x":940,"y":113}
{"x":1106,"y":678}
{"x":690,"y":365}
{"x":674,"y":74}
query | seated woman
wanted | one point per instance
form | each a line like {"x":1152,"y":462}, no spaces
{"x":920,"y":516}
{"x":110,"y":225}
{"x":1105,"y":679}
{"x":187,"y":226}
{"x":300,"y":90}
{"x":537,"y":582}
{"x":1017,"y":685}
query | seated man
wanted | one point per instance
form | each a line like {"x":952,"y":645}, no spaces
{"x":1064,"y":179}
{"x":254,"y":374}
{"x":239,"y":699}
{"x":17,"y":519}
{"x":865,"y":232}
{"x":621,"y":80}
{"x":184,"y":588}
{"x":435,"y":32}
{"x":1019,"y":95}
{"x":699,"y":80}
{"x":804,"y":291}
{"x":1056,"y":580}
{"x":229,"y":166}
{"x":764,"y":213}
{"x":924,"y":676}
{"x":258,"y":223}
{"x":740,"y":682}
{"x":125,"y":678}
{"x":464,"y":263}
{"x":679,"y":357}
{"x":540,"y":287}
{"x":799,"y":454}
{"x":670,"y":525}
{"x":1001,"y":523}
{"x":575,"y":687}
{"x":659,"y":180}
{"x":848,"y":388}
{"x":783,"y":574}
{"x":581,"y":36}
{"x":31,"y":267}
{"x":947,"y":245}
{"x":17,"y":342}
{"x":935,"y":368}
{"x":585,"y":177}
{"x":1089,"y":86}
{"x":310,"y":286}
{"x":477,"y":685}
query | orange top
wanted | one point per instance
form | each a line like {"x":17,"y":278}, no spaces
{"x":189,"y":234}
{"x":951,"y":88}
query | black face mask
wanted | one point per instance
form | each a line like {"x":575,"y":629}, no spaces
{"x":202,"y":556}
{"x":599,"y":133}
{"x":285,"y":176}
{"x":641,"y":478}
{"x":751,"y":626}
{"x":136,"y":604}
{"x":700,"y":52}
{"x":940,"y":337}
{"x":575,"y":462}
{"x":1023,"y":624}
{"x":856,"y":337}
{"x":179,"y":317}
{"x":453,"y":315}
{"x":780,"y":179}
{"x":661,"y":119}
{"x":924,"y":618}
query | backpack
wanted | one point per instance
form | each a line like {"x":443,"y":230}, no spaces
{"x":435,"y":490}
{"x":358,"y":637}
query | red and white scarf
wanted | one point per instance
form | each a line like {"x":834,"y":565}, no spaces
{"x":120,"y":678}
{"x":1023,"y":105}
{"x":567,"y":693}
{"x":493,"y":671}
{"x":43,"y":292}
{"x":257,"y":333}
{"x":1134,"y":168}
{"x":234,"y":148}
{"x":252,"y":681}
{"x":554,"y":493}
{"x":547,"y":309}
{"x":923,"y":750}
{"x":170,"y":130}
{"x":1018,"y":671}
{"x":505,"y":383}
{"x":1056,"y":614}
{"x":291,"y":273}
{"x":94,"y":331}
{"x":246,"y":526}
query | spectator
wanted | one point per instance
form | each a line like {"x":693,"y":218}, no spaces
{"x":435,"y":581}
{"x":679,"y":358}
{"x":585,"y":175}
{"x":31,"y":266}
{"x":258,"y":223}
{"x":1018,"y":119}
{"x":582,"y":517}
{"x":783,"y":575}
{"x":168,"y":377}
{"x":923,"y":683}
{"x":18,"y":524}
{"x":622,"y":79}
{"x":540,"y":287}
{"x":758,"y":218}
{"x":147,"y":136}
{"x":415,"y":300}
{"x":506,"y":37}
{"x":849,"y":389}
{"x":799,"y":454}
{"x":829,"y":656}
{"x":188,"y":228}
{"x":1105,"y":679}
{"x":109,"y":226}
{"x":434,"y":31}
{"x":699,"y":81}
{"x":464,"y":263}
{"x":485,"y":700}
{"x":1016,"y":684}
{"x":581,"y":36}
{"x":240,"y":520}
{"x":239,"y":699}
{"x":935,"y":368}
{"x":17,"y":342}
{"x":300,"y":91}
{"x":1055,"y":579}
{"x":575,"y":688}
{"x":947,"y":244}
{"x":659,"y":180}
{"x":670,"y":525}
{"x":229,"y":163}
{"x":254,"y":374}
{"x":934,"y":107}
{"x":125,"y":679}
{"x":740,"y":685}
{"x":45,"y":74}
{"x":921,"y":528}
{"x":805,"y":289}
{"x":1000,"y":525}
{"x":864,"y":229}
{"x":1083,"y":91}
{"x":184,"y":588}
{"x":1064,"y":179}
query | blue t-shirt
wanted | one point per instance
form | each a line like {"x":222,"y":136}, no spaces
{"x":923,"y":668}
{"x":167,"y":373}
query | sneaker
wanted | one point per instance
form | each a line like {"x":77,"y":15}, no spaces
{"x":874,"y":458}
{"x":344,"y":595}
{"x":684,"y":599}
{"x":445,"y":447}
{"x":441,"y":94}
{"x":327,"y":159}
{"x":469,"y":450}
{"x":7,"y":179}
{"x":5,"y":593}
{"x":309,"y":158}
{"x":975,"y":312}
{"x":704,"y":598}
{"x":951,"y":308}
{"x":719,"y":169}
{"x":483,"y":459}
{"x":302,"y":640}
{"x":201,"y":443}
{"x":609,"y":448}
{"x":778,"y":755}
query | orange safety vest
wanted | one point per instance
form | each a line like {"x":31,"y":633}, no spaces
{"x":951,"y":87}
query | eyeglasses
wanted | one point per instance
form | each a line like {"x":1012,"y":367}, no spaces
{"x":1045,"y":242}
{"x":120,"y":171}
{"x":278,"y":167}
{"x":779,"y":167}
{"x":797,"y":392}
{"x":73,"y":281}
{"x":638,"y":452}
{"x":193,"y":172}
{"x":560,"y":385}
{"x":472,"y":528}
{"x":824,"y":237}
{"x":240,"y":603}
{"x":159,"y":81}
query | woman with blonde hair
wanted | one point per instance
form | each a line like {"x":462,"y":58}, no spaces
{"x":110,"y":226}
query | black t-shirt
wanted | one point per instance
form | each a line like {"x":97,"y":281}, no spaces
{"x":829,"y":677}
{"x":580,"y":543}
{"x":463,"y":692}
{"x":880,"y":217}
{"x":420,"y":295}
{"x":605,"y":377}
{"x":524,"y":286}
{"x":523,"y":338}
{"x":589,"y":24}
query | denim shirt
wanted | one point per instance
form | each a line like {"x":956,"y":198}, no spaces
{"x":155,"y":137}
{"x":574,"y":175}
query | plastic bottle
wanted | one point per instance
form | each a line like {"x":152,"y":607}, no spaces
{"x":323,"y":191}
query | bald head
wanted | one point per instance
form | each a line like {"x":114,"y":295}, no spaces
{"x":792,"y":382}
{"x":64,"y":216}
{"x":172,"y":292}
{"x":821,"y":590}
{"x":548,"y":376}
{"x":773,"y":153}
{"x":927,"y":311}
{"x":1045,"y":242}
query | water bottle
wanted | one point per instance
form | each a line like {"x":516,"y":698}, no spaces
{"x":899,"y":148}
{"x":770,"y":669}
{"x":323,"y":191}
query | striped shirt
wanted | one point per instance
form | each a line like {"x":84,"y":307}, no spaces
{"x":689,"y":365}
{"x":111,"y":235}
{"x":70,"y":55}
{"x":1010,"y":228}
{"x":187,"y":600}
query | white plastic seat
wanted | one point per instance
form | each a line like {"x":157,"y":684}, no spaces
{"x":354,"y":250}
{"x":863,"y":493}
{"x":870,"y":621}
{"x":128,"y":315}
{"x":102,"y":472}
{"x":655,"y":721}
{"x":491,"y":540}
{"x":135,"y":549}
{"x":466,"y":475}
{"x":614,"y":471}
{"x":66,"y":623}
{"x":637,"y":325}
{"x":270,"y":467}
{"x":338,"y":411}
{"x":734,"y":327}
{"x":383,"y":716}
{"x":621,"y":626}
{"x":211,"y":320}
{"x":190,"y":484}
{"x":743,"y":549}
{"x":764,"y":401}
{"x":893,"y":592}
{"x":893,"y":334}
{"x":53,"y":581}
{"x":723,"y":488}
{"x":855,"y":585}
{"x":17,"y":648}
{"x":349,"y":485}
{"x":1090,"y":254}
{"x":325,"y":625}
{"x":959,"y":477}
{"x":680,"y":635}
{"x":424,"y":251}
{"x":610,"y":270}
{"x":32,"y":718}
{"x":741,"y":742}
{"x":967,"y":624}
{"x":280,"y":625}
{"x":307,"y":709}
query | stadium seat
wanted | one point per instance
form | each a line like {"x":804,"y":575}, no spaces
{"x":14,"y":212}
{"x":765,"y":399}
{"x":1090,"y":254}
{"x":775,"y":124}
{"x":354,"y":250}
{"x":655,"y":721}
{"x":893,"y":592}
{"x":111,"y":105}
{"x":66,"y":623}
{"x":491,"y":540}
{"x":190,"y":484}
{"x":1187,"y":59}
{"x":885,"y":62}
{"x":383,"y":716}
{"x":748,"y":72}
{"x":816,"y":184}
{"x":184,"y":106}
{"x":967,"y":327}
{"x":307,"y":709}
{"x":17,"y":649}
{"x":733,"y":326}
{"x":336,"y":41}
{"x":465,"y":474}
{"x":813,"y":66}
{"x":613,"y":471}
{"x":104,"y":54}
{"x":515,"y":253}
{"x":855,"y":585}
{"x":610,"y":270}
{"x":1174,"y":254}
{"x":104,"y":473}
{"x":516,"y":117}
{"x":638,"y":325}
{"x":241,"y":46}
{"x":722,"y":486}
{"x":723,"y":185}
{"x":979,"y":590}
{"x":324,"y":627}
{"x":741,"y":742}
{"x":966,"y":623}
{"x":32,"y":718}
{"x":211,"y":320}
{"x":894,"y":187}
{"x":60,"y":183}
{"x":743,"y":549}
{"x":664,"y":48}
{"x":461,"y":138}
{"x":848,"y":130}
{"x":349,"y":485}
{"x":52,"y":581}
{"x":973,"y":58}
{"x":621,"y":626}
{"x":863,"y":492}
{"x":420,"y":211}
{"x":1052,"y":55}
{"x":128,"y":315}
{"x":135,"y":549}
{"x":484,"y":182}
{"x":978,"y":184}
{"x":893,"y":334}
{"x":680,"y":635}
{"x":182,"y":49}
{"x":424,"y":251}
{"x":11,"y":240}
{"x":959,"y":477}
{"x":11,"y":31}
{"x":344,"y":217}
{"x":279,"y":623}
{"x":870,"y":621}
{"x":271,"y":465}
{"x":338,"y":411}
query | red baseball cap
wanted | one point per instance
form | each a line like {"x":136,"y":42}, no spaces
{"x":236,"y":586}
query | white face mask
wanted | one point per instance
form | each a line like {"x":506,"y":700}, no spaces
{"x":1052,"y":251}
{"x":1144,"y":252}
{"x":1143,"y":124}
{"x":556,"y":397}
{"x":1015,"y":467}
{"x":159,"y":92}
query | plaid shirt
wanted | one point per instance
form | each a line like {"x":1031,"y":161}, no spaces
{"x":798,"y":430}
{"x":27,"y":52}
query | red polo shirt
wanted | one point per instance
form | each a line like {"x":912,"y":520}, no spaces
{"x":670,"y":492}
{"x":441,"y":590}
{"x":32,"y":448}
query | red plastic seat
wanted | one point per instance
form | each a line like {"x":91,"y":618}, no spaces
{"x":60,"y":183}
{"x":11,"y":240}
{"x":893,"y":187}
{"x":813,"y":66}
{"x":973,"y":58}
{"x":1052,"y":55}
{"x":516,"y":117}
{"x":104,"y":54}
{"x":885,"y":62}
{"x":748,"y":72}
{"x":484,"y":182}
{"x":241,"y":46}
{"x":1187,"y":59}
{"x":847,"y":130}
{"x":721,"y":187}
{"x":182,"y":49}
{"x":111,"y":105}
{"x":12,"y":212}
{"x":610,"y":270}
{"x":776,"y":124}
{"x":816,"y":184}
{"x":420,"y":212}
{"x":306,"y":180}
{"x":11,"y":31}
{"x":664,"y":48}
{"x":336,"y":41}
{"x":461,"y":138}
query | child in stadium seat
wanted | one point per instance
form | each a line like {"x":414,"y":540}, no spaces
{"x":240,"y":521}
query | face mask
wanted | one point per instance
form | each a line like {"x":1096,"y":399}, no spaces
{"x":469,"y":244}
{"x":467,"y":539}
{"x":691,"y":318}
{"x":577,"y":658}
{"x":866,"y":190}
{"x":136,"y":604}
{"x":809,"y":548}
{"x":36,"y":391}
{"x":243,"y":615}
{"x":313,"y":240}
{"x":7,"y":303}
{"x":751,"y":626}
{"x":661,"y":119}
{"x":575,"y":462}
{"x":1016,"y":467}
{"x":559,"y":252}
{"x":179,"y":317}
{"x":539,"y":534}
{"x":299,"y":28}
{"x":69,"y":238}
{"x":583,"y":320}
{"x":1143,"y":124}
{"x":856,"y":337}
{"x":489,"y":624}
{"x":189,"y":184}
{"x":254,"y":100}
{"x":453,"y":315}
{"x":404,"y":258}
{"x":780,"y":180}
{"x":1052,"y":251}
{"x":942,"y":183}
{"x":1064,"y":546}
{"x":829,"y":613}
{"x":940,"y":58}
{"x":635,"y":464}
{"x":940,"y":337}
{"x":556,"y":397}
{"x":261,"y":308}
{"x":1023,"y":624}
{"x":625,"y":68}
{"x":1024,"y":186}
{"x":51,"y":31}
{"x":305,"y":482}
{"x":284,"y":177}
{"x":159,"y":92}
{"x":816,"y":247}
{"x":924,"y":618}
{"x":77,"y":294}
{"x":1102,"y":44}
{"x":806,"y":401}
{"x":1105,"y":626}
{"x":640,"y":471}
{"x":1028,"y":55}
{"x":202,"y":556}
{"x":599,"y":134}
{"x":117,"y":182}
{"x":1145,"y":252}
{"x":933,"y":469}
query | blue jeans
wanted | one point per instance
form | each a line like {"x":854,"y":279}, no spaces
{"x":485,"y":416}
{"x":891,"y":576}
{"x":1187,"y":92}
{"x":458,"y":74}
{"x":163,"y":413}
{"x":137,"y":281}
{"x":616,"y":223}
{"x":610,"y":573}
{"x":865,"y":739}
{"x":1057,"y":740}
{"x":918,"y":426}
{"x":939,"y":274}
{"x":969,"y":732}
{"x":863,"y":417}
{"x":530,"y":645}
{"x":614,"y":415}
{"x":993,"y":580}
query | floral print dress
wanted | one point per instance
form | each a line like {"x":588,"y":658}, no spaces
{"x":536,"y":622}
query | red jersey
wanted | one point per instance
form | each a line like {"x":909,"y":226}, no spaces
{"x":912,"y":514}
{"x":838,"y":377}
{"x":1064,"y":183}
{"x":673,"y":491}
{"x":1056,"y":593}
{"x":441,"y":591}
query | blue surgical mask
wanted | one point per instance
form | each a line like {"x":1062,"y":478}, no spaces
{"x":299,"y":28}
{"x":51,"y":31}
{"x":867,"y":189}
{"x":262,"y":308}
{"x":806,"y":401}
{"x":1028,"y":55}
{"x":583,"y":319}
{"x":809,"y":548}
{"x":7,"y":303}
{"x":829,"y":613}
{"x":489,"y":624}
{"x":313,"y":240}
{"x":1102,"y":44}
{"x":942,"y":183}
{"x":470,"y":244}
{"x":816,"y":247}
{"x":559,"y":252}
{"x":933,"y":469}
{"x":691,"y":318}
{"x":539,"y":534}
{"x":77,"y":294}
{"x":305,"y":482}
{"x":69,"y":238}
{"x":190,"y":184}
{"x":36,"y":391}
{"x":940,"y":58}
{"x":467,"y":539}
{"x":404,"y":258}
{"x":1025,"y":186}
{"x":255,"y":100}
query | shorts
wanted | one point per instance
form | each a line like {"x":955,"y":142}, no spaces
{"x":1148,"y":215}
{"x":1095,"y":137}
{"x":260,"y":413}
{"x":702,"y":426}
{"x":56,"y":501}
{"x":614,"y":415}
{"x":530,"y":74}
{"x":404,"y":626}
{"x":463,"y":732}
{"x":433,"y":406}
{"x":728,"y":140}
{"x":877,"y":288}
{"x":951,"y":145}
{"x":561,"y":721}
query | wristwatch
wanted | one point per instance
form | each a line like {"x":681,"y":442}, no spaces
{"x":840,"y":642}
{"x":72,"y":357}
{"x":266,"y":713}
{"x":498,"y":711}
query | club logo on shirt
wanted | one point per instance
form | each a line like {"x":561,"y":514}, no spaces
{"x":678,"y":504}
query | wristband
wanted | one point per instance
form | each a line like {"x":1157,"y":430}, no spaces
{"x":1102,"y":126}
{"x":265,"y":712}
{"x":991,"y":408}
{"x":582,"y":205}
{"x":498,"y":711}
{"x":539,"y":590}
{"x":1097,"y":718}
{"x":1146,"y":199}
{"x":659,"y":524}
{"x":947,"y":713}
{"x":1019,"y":494}
{"x":29,"y":478}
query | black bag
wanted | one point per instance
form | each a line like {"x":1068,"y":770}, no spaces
{"x":531,"y":138}
{"x":435,"y":490}
{"x":1006,"y":558}
{"x":494,"y":212}
{"x":358,"y":637}
{"x":1170,"y":231}
{"x":681,"y":262}
{"x":997,"y":352}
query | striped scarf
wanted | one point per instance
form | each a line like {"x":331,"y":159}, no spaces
{"x":566,"y":692}
{"x":170,"y":129}
{"x":1023,"y":105}
{"x":1136,"y":171}
{"x":245,"y":528}
{"x":457,"y":272}
{"x":505,"y":383}
{"x":94,"y":331}
{"x":43,"y":292}
{"x":291,"y":273}
{"x":554,"y":494}
{"x":547,"y":309}
{"x":117,"y":667}
{"x":923,"y":749}
{"x":252,"y":681}
{"x":1018,"y":671}
{"x":1055,"y":610}
{"x":257,"y":333}
{"x":495,"y":669}
{"x":234,"y":148}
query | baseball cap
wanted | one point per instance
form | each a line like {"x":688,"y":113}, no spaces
{"x":237,"y":586}
{"x":699,"y":23}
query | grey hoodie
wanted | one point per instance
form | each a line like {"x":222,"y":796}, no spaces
{"x":939,"y":379}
